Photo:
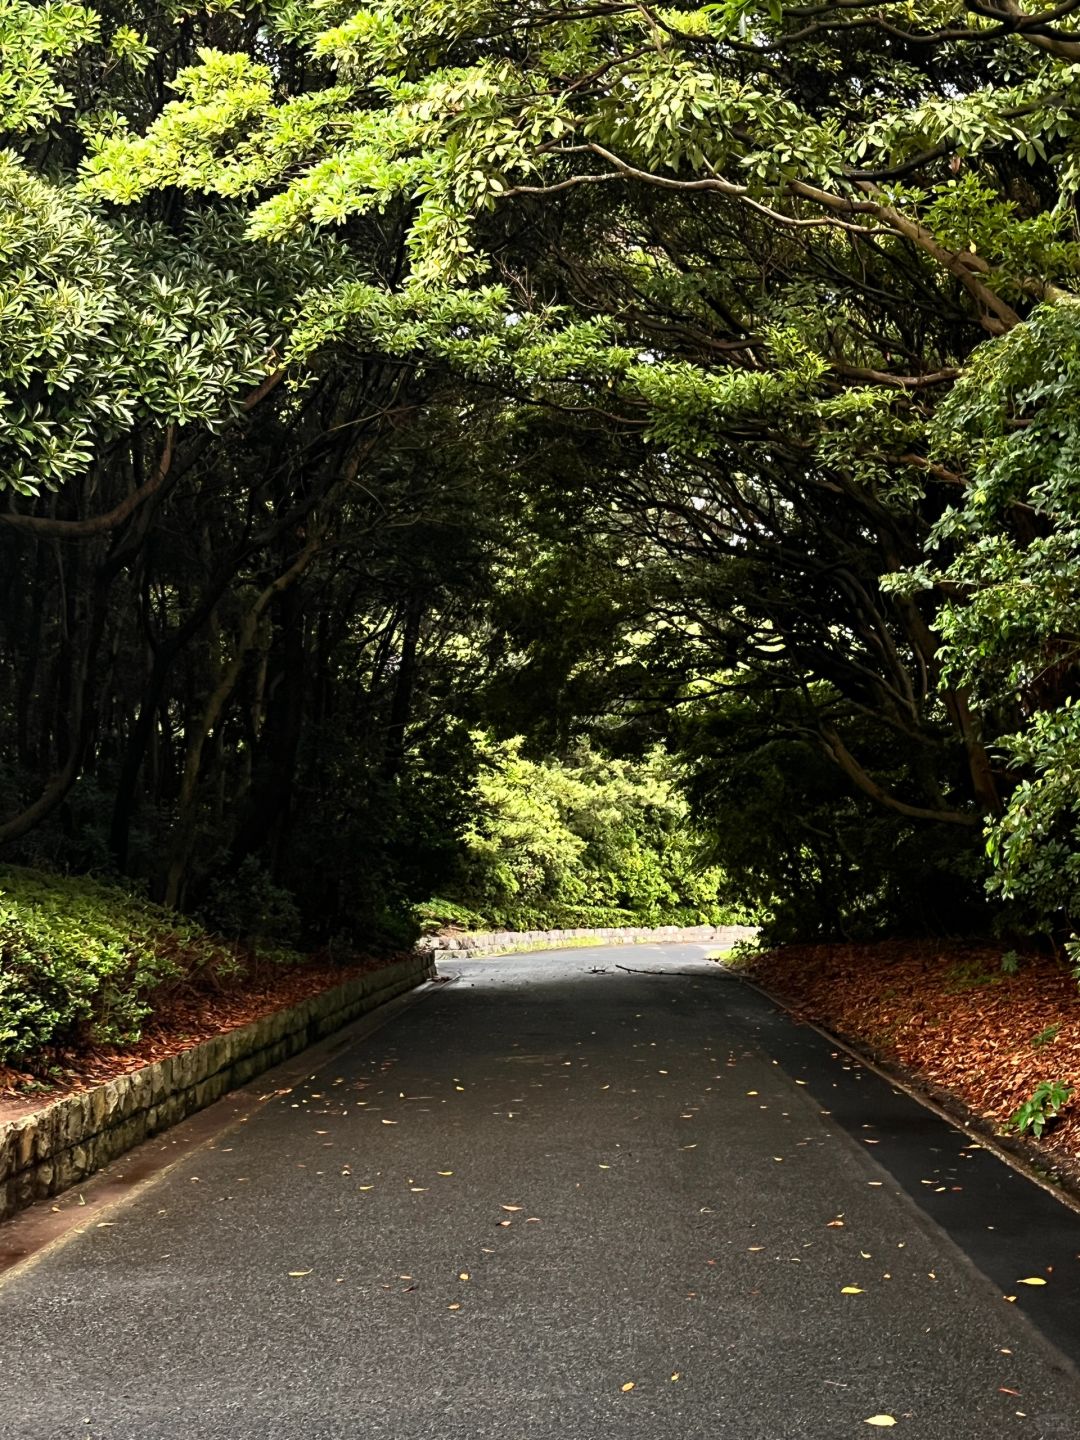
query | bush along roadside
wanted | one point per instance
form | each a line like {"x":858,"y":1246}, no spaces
{"x":86,"y":965}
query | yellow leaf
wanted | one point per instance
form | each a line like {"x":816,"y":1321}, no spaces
{"x":882,"y":1420}
{"x":367,"y":1187}
{"x":628,"y":1386}
{"x":445,"y":1172}
{"x":512,"y":1208}
{"x":676,"y":1375}
{"x":1032,"y":1280}
{"x":852,"y":1290}
{"x":296,"y":1274}
{"x":464,"y":1275}
{"x":454,"y":1307}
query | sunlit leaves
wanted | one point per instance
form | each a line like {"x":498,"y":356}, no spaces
{"x":36,"y":37}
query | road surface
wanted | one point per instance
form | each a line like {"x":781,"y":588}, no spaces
{"x":554,"y":1200}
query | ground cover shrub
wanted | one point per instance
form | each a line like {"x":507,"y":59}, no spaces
{"x":82,"y":960}
{"x":1044,"y":1105}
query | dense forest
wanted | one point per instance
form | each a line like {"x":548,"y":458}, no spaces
{"x":593,"y":460}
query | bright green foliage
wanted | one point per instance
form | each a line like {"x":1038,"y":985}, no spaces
{"x":1044,"y":1104}
{"x":105,"y":330}
{"x":1011,"y":628}
{"x":82,"y":959}
{"x":36,"y":37}
{"x":588,"y":841}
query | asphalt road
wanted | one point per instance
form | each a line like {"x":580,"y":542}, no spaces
{"x":545,"y":1203}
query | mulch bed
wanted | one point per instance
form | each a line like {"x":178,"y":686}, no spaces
{"x":182,"y":1021}
{"x":947,"y":1014}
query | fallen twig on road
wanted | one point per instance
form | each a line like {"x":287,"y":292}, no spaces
{"x":686,"y":974}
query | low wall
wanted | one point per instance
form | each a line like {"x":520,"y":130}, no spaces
{"x":505,"y":942}
{"x":57,"y":1147}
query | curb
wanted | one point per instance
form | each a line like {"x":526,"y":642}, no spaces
{"x":471,"y":945}
{"x":52,"y":1149}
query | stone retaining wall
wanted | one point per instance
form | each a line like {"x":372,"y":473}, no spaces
{"x":52,"y":1149}
{"x":505,"y":942}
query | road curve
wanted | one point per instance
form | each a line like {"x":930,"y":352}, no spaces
{"x":560,"y":1199}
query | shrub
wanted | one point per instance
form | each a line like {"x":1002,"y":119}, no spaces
{"x":584,"y":842}
{"x":79,"y":959}
{"x":1044,"y":1105}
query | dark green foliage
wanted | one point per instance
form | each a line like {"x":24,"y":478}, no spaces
{"x":803,"y":847}
{"x":1045,"y":1037}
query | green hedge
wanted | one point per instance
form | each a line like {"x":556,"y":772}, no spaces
{"x":84,"y":961}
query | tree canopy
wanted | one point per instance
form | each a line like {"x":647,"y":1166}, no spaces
{"x":687,"y":375}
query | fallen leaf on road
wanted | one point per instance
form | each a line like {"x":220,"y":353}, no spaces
{"x":676,"y":1375}
{"x":512,"y":1208}
{"x":296,"y":1274}
{"x":628,"y":1386}
{"x":851,"y":1290}
{"x":388,"y":1122}
{"x":445,"y":1172}
{"x":454,"y":1307}
{"x":1004,"y":1390}
{"x":367,"y":1187}
{"x":464,"y":1275}
{"x":1032,"y":1280}
{"x":834,"y":1224}
{"x":882,"y":1420}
